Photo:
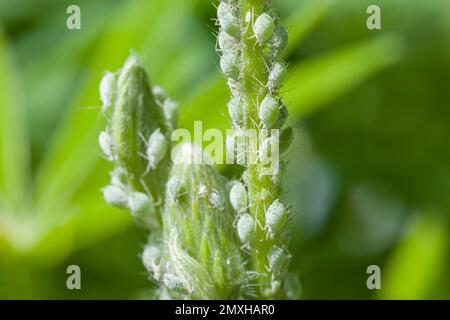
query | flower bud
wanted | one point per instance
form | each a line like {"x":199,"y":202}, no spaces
{"x":238,"y":197}
{"x":115,"y":196}
{"x":263,"y":28}
{"x":118,"y":177}
{"x":151,"y":258}
{"x":246,"y":228}
{"x":159,"y":94}
{"x":268,"y":111}
{"x":276,"y":216}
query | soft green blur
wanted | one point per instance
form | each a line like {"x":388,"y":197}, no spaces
{"x":368,"y":178}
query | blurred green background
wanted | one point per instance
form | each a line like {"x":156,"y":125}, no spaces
{"x":368,"y":178}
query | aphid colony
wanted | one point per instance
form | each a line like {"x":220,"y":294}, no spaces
{"x":118,"y":141}
{"x":251,"y":46}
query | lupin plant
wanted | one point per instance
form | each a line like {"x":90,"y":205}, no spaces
{"x":210,"y":237}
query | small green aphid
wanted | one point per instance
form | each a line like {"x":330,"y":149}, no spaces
{"x":278,"y":42}
{"x":227,"y":20}
{"x":276,"y":217}
{"x":229,"y":66}
{"x":246,"y":228}
{"x":235,"y":109}
{"x":156,"y":148}
{"x":104,"y":140}
{"x":277,"y":258}
{"x":115,"y":196}
{"x":140,"y":204}
{"x":227,"y":42}
{"x":263,"y":28}
{"x":238,"y":197}
{"x":277,"y":76}
{"x":268,"y":111}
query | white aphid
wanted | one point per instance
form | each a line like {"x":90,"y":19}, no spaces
{"x":227,"y":42}
{"x":238,"y":197}
{"x":277,"y":76}
{"x":140,"y":204}
{"x":235,"y":109}
{"x":156,"y":148}
{"x":263,"y":28}
{"x":104,"y":140}
{"x":159,"y":94}
{"x":115,"y":196}
{"x":227,"y":20}
{"x":228,"y":65}
{"x":107,"y":89}
{"x":276,"y":216}
{"x":246,"y":228}
{"x":268,"y":111}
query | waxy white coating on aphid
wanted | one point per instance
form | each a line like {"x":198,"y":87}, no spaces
{"x":235,"y":109}
{"x":238,"y":197}
{"x":263,"y":28}
{"x":279,"y":42}
{"x":246,"y":228}
{"x":227,"y":20}
{"x":104,"y":140}
{"x":277,"y":257}
{"x":227,"y":42}
{"x":115,"y":196}
{"x":107,"y":89}
{"x":156,"y":148}
{"x":268,"y":111}
{"x":140,"y":204}
{"x":228,"y":65}
{"x":159,"y":94}
{"x":276,"y":216}
{"x":277,"y":76}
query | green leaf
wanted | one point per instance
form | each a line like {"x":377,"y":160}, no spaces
{"x":14,"y":169}
{"x":316,"y":82}
{"x":418,"y":260}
